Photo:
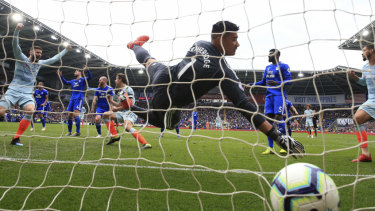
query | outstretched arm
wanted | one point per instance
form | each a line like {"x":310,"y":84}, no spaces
{"x":62,"y":78}
{"x":57,"y":57}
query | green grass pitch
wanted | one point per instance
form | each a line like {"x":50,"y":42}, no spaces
{"x":212,"y":170}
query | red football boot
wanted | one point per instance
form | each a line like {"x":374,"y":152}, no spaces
{"x":363,"y":158}
{"x":139,"y":41}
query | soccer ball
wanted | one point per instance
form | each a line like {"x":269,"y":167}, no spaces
{"x":303,"y":186}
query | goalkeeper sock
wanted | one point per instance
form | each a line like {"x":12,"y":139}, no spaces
{"x":141,"y":54}
{"x":138,"y":136}
{"x":98,"y":128}
{"x":25,"y":122}
{"x":43,"y":122}
{"x":111,"y":127}
{"x":78,"y":124}
{"x":70,"y":125}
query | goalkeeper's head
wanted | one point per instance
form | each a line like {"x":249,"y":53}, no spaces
{"x":120,"y":80}
{"x":224,"y":37}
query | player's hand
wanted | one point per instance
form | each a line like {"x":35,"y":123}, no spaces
{"x":272,"y":83}
{"x":68,"y":47}
{"x":19,"y":26}
{"x":116,"y":108}
{"x":58,"y":72}
{"x":351,"y":73}
{"x":85,"y":67}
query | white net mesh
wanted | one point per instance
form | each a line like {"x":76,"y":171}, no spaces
{"x":219,"y":165}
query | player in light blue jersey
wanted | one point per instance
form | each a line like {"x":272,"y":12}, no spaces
{"x":218,"y":122}
{"x":366,"y":112}
{"x":102,"y":93}
{"x":288,"y":114}
{"x":309,"y":125}
{"x":78,"y":86}
{"x":41,"y":99}
{"x":82,"y":115}
{"x":20,"y":90}
{"x":121,"y":113}
{"x":275,"y":77}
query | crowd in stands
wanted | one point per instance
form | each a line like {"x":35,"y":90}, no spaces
{"x":231,"y":118}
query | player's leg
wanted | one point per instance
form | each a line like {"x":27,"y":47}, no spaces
{"x":98,"y":120}
{"x":28,"y":105}
{"x":233,"y":91}
{"x":32,"y":121}
{"x":128,"y":124}
{"x":161,"y":132}
{"x":77,"y":120}
{"x":108,"y":118}
{"x":361,"y":117}
{"x":178,"y":131}
{"x":289,"y":126}
{"x":269,"y":112}
{"x":70,"y":109}
{"x":41,"y":117}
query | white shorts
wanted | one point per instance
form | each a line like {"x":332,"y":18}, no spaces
{"x":12,"y":98}
{"x":369,"y":107}
{"x":127,"y":115}
{"x":309,"y":123}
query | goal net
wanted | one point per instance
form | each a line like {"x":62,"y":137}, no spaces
{"x":217,"y":160}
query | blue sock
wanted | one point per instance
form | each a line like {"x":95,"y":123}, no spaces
{"x":282,"y":128}
{"x":70,"y":125}
{"x":178,"y":129}
{"x":78,"y":124}
{"x":290,"y":132}
{"x":32,"y":123}
{"x":43,"y":122}
{"x":270,"y":142}
{"x":161,"y":130}
{"x":98,"y":128}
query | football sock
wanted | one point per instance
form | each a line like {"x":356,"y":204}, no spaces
{"x":270,"y":142}
{"x":138,"y":136}
{"x":98,"y":128}
{"x":141,"y":54}
{"x":282,"y":128}
{"x":362,"y":136}
{"x":43,"y":122}
{"x":111,"y":127}
{"x":178,"y":129}
{"x":25,"y":122}
{"x":290,"y":132}
{"x":70,"y":125}
{"x":78,"y":124}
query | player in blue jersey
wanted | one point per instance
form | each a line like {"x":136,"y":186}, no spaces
{"x":308,"y":114}
{"x":78,"y":86}
{"x":288,"y":114}
{"x":102,"y":93}
{"x":20,"y":90}
{"x":41,"y":99}
{"x":121,"y":113}
{"x":275,"y":77}
{"x":203,"y":68}
{"x":366,"y":112}
{"x":194,"y":119}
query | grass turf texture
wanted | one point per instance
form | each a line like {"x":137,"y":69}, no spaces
{"x":66,"y":173}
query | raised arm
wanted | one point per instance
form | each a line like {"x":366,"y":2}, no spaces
{"x":62,"y":78}
{"x":17,"y":51}
{"x":357,"y":79}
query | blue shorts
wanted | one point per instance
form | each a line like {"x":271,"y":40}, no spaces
{"x":274,"y":104}
{"x":39,"y":109}
{"x":123,"y":116}
{"x":12,"y":98}
{"x":75,"y":105}
{"x":100,"y":111}
{"x":369,"y":107}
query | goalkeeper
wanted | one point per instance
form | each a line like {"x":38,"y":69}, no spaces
{"x":203,"y":68}
{"x":122,"y":113}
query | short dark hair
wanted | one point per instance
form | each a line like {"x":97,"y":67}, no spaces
{"x":41,"y":82}
{"x":222,"y":27}
{"x":371,"y":46}
{"x":122,"y":77}
{"x":36,"y":47}
{"x":278,"y":52}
